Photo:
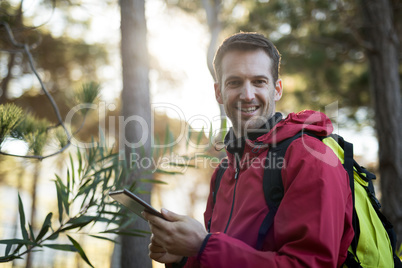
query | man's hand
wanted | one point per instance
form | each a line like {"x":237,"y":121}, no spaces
{"x":174,"y":237}
{"x":159,"y":254}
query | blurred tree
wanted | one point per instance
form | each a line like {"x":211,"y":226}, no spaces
{"x":136,"y":111}
{"x":212,"y":11}
{"x":381,"y":23}
{"x":63,"y":62}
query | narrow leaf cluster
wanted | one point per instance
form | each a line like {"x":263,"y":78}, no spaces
{"x":82,"y":202}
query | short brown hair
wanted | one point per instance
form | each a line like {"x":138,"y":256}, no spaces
{"x":247,"y":41}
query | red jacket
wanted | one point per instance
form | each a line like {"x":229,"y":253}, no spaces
{"x":312,"y":227}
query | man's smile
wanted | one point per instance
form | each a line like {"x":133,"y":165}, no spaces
{"x":248,"y":110}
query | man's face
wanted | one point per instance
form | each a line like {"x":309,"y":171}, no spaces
{"x":247,"y":90}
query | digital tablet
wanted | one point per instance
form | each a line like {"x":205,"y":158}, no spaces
{"x":134,"y":203}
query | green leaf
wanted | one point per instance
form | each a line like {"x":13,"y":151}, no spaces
{"x":82,"y":219}
{"x":103,"y":170}
{"x":17,"y":242}
{"x":80,"y":250}
{"x":88,"y":94}
{"x":128,"y":233}
{"x":31,"y":232}
{"x":9,"y":258}
{"x":59,"y":202}
{"x":78,"y":223}
{"x":200,"y":134}
{"x":103,"y":238}
{"x":53,"y":236}
{"x":223,"y":128}
{"x":8,"y":249}
{"x":79,"y":164}
{"x":63,"y":195}
{"x":210,"y":135}
{"x":189,"y":133}
{"x":158,"y":170}
{"x":72,"y":172}
{"x":63,"y":247}
{"x":153,"y":181}
{"x":10,"y":117}
{"x":22,"y":218}
{"x":45,"y":227}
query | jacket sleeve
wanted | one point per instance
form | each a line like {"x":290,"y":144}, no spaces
{"x":312,"y":227}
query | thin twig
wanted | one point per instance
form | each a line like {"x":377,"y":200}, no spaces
{"x":26,"y":49}
{"x":55,"y":107}
{"x":39,"y":157}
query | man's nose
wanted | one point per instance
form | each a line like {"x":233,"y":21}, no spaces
{"x":248,"y":93}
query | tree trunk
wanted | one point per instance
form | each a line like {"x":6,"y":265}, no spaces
{"x":6,"y":80}
{"x":386,"y":93}
{"x":135,"y":102}
{"x":35,"y":181}
{"x":4,"y":85}
{"x":212,"y":10}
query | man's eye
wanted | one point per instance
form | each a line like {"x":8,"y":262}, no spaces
{"x":260,"y":82}
{"x":233,"y":83}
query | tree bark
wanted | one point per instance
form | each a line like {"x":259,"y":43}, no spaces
{"x":4,"y":85}
{"x":6,"y":80}
{"x":212,"y":10}
{"x":35,"y":180}
{"x":135,"y":102}
{"x":383,"y":56}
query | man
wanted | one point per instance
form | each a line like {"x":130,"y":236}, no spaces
{"x":312,"y":226}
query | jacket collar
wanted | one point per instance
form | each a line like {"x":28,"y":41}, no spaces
{"x":236,"y":146}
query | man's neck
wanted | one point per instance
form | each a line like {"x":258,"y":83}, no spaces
{"x":254,"y":133}
{"x":236,"y":145}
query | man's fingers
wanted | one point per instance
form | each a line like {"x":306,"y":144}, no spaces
{"x":153,"y":220}
{"x":171,"y":216}
{"x":155,"y":241}
{"x":156,"y":248}
{"x":156,"y":256}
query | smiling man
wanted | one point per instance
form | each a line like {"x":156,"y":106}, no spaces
{"x":311,"y":227}
{"x":247,"y":89}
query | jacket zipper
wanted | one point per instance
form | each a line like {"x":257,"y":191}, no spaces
{"x":234,"y":194}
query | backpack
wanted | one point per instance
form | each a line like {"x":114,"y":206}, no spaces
{"x":374,"y":242}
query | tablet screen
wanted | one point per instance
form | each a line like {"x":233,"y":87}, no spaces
{"x":133,"y":202}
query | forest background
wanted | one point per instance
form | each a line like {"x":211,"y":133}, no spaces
{"x":339,"y":57}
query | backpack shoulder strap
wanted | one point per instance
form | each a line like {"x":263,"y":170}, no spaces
{"x":219,"y":174}
{"x":272,"y":184}
{"x":348,"y":164}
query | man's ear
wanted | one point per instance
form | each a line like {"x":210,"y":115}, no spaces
{"x":218,"y":93}
{"x":278,"y":90}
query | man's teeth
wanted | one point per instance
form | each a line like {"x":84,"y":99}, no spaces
{"x":249,"y":110}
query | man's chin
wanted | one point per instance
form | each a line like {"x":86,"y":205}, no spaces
{"x":254,"y":124}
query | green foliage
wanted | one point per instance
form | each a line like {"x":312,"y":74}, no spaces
{"x":61,"y":137}
{"x":88,"y":94}
{"x":82,"y":201}
{"x":34,"y":131}
{"x":16,"y":124}
{"x":10,"y":117}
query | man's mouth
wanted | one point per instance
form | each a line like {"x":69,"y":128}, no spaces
{"x":248,"y":110}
